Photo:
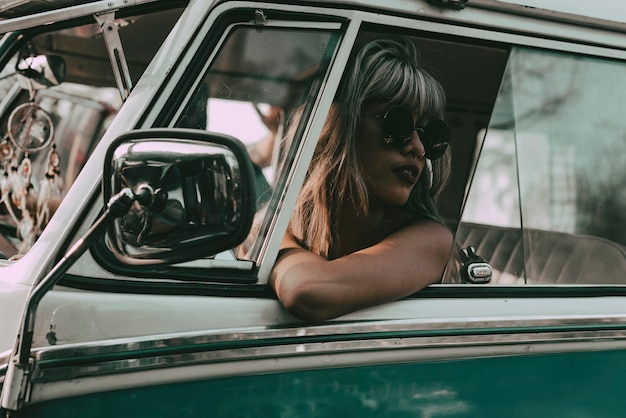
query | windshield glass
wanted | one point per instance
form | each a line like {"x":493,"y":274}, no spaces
{"x":59,"y":95}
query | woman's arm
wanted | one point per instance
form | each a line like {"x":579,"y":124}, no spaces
{"x":315,"y":289}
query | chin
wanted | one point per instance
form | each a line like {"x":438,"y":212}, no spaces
{"x":396,"y":200}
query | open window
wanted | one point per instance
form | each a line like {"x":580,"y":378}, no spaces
{"x":547,"y":203}
{"x":248,"y":72}
{"x":246,"y":81}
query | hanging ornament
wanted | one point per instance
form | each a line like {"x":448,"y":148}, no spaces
{"x":51,"y":189}
{"x":30,"y":127}
{"x":26,"y":232}
{"x":6,"y":153}
{"x":6,"y":149}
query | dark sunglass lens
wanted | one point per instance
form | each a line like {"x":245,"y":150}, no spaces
{"x":436,"y":138}
{"x":398,"y":126}
{"x":436,"y":151}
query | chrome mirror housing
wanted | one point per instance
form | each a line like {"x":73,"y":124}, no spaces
{"x":194,"y":195}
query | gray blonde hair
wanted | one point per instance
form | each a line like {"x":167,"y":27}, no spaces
{"x":381,"y":70}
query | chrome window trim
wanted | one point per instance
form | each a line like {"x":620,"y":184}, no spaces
{"x":204,"y":23}
{"x":294,"y":179}
{"x":205,"y":355}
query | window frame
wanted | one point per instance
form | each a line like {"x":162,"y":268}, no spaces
{"x":354,"y":19}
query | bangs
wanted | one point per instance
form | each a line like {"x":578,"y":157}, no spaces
{"x":401,"y":84}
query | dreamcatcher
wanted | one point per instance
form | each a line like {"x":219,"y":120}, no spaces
{"x":29,"y":130}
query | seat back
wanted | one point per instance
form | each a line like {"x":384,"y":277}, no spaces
{"x":545,"y":257}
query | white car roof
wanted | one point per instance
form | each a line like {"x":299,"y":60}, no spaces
{"x":602,"y":9}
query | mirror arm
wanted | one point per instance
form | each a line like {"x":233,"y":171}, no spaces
{"x":20,"y":366}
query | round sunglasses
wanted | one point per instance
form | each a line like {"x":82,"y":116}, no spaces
{"x":398,"y":127}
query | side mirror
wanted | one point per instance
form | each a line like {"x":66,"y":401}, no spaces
{"x":194,"y":191}
{"x":171,"y":195}
{"x":43,"y":71}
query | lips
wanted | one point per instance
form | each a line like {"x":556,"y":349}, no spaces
{"x":407,"y":173}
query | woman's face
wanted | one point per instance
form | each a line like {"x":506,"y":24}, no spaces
{"x":389,"y":173}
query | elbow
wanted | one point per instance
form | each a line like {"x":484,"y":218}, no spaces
{"x":305,"y":303}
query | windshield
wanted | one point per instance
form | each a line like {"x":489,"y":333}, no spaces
{"x":59,"y":95}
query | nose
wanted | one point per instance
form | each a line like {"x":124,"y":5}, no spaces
{"x":415,"y":146}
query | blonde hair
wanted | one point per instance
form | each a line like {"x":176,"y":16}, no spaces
{"x":381,"y":70}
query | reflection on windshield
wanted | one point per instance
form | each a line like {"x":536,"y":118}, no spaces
{"x":250,"y":91}
{"x":60,"y":123}
{"x":35,"y":179}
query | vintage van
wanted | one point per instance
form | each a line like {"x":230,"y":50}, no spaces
{"x":126,"y":185}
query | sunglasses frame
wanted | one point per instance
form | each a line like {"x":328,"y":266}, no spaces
{"x":434,"y":148}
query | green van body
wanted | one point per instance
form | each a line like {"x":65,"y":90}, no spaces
{"x":544,"y":385}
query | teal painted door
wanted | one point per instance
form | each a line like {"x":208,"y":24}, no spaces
{"x":565,"y":385}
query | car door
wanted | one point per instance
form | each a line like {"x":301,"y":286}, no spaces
{"x":60,"y":95}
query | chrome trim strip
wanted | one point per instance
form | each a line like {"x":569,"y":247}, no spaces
{"x":493,"y":337}
{"x":42,"y":391}
{"x":295,"y":177}
{"x":494,"y":345}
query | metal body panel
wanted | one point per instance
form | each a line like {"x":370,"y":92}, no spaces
{"x":481,"y":387}
{"x":33,"y":265}
{"x":136,"y":363}
{"x":102,"y":316}
{"x":600,"y":9}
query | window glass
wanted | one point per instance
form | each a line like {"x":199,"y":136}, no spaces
{"x":251,"y":90}
{"x":547,"y":203}
{"x":48,"y":128}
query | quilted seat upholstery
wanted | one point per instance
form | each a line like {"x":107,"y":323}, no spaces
{"x":551,"y":257}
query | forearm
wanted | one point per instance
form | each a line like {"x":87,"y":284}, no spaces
{"x":315,"y":289}
{"x":298,"y":280}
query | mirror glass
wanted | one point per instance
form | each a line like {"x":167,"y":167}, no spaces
{"x":195,"y":196}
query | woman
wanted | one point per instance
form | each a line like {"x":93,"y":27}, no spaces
{"x":365,"y":230}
